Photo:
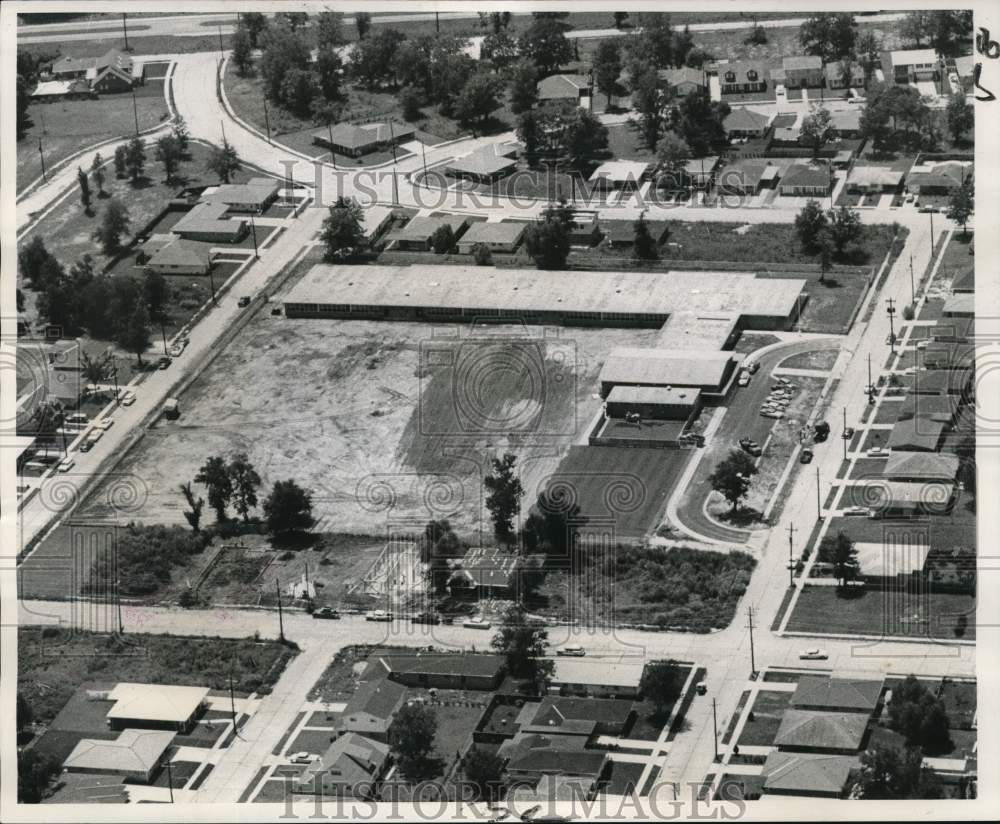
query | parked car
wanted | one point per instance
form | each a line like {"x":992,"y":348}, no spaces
{"x":426,"y":618}
{"x":806,"y":456}
{"x":76,"y":419}
{"x":106,"y":423}
{"x":878,"y":452}
{"x":66,"y":464}
{"x":775,"y":415}
{"x":856,"y":510}
{"x":378,"y":615}
{"x":276,"y":311}
{"x":701,"y":688}
{"x":849,"y":433}
{"x":574,"y":650}
{"x":476,"y":623}
{"x":821,"y":431}
{"x":95,"y":435}
{"x":927,"y":208}
{"x":754,"y":367}
{"x":326,"y":612}
{"x":128,"y":398}
{"x":814,"y":654}
{"x":744,"y":379}
{"x":751,"y":446}
{"x":243,"y":301}
{"x":302,"y":757}
{"x":163,"y":363}
{"x":87,"y":445}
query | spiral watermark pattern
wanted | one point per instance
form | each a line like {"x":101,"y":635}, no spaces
{"x":624,"y":494}
{"x":126,"y":494}
{"x":558,"y":496}
{"x":59,"y":494}
{"x":443,"y":494}
{"x":480,"y":368}
{"x":375,"y":493}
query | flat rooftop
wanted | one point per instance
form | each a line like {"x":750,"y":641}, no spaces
{"x":698,"y":330}
{"x":653,"y":394}
{"x":155,"y":702}
{"x":530,"y":290}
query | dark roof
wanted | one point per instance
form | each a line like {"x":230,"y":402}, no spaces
{"x":933,"y":407}
{"x":916,"y":434}
{"x":822,"y":730}
{"x":742,"y":67}
{"x":744,"y":120}
{"x":965,"y":282}
{"x":352,"y":136}
{"x":349,"y":760}
{"x":562,"y":762}
{"x":604,"y":710}
{"x":806,"y":176}
{"x":843,"y":693}
{"x":380,"y":698}
{"x":443,"y":664}
{"x":112,"y":58}
{"x":422,"y":227}
{"x":807,"y":772}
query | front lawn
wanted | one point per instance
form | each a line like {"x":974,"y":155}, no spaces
{"x":767,"y":711}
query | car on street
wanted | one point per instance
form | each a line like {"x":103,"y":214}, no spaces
{"x":243,"y":301}
{"x":806,"y":456}
{"x":302,"y":757}
{"x":426,"y":618}
{"x":106,"y":423}
{"x":379,"y":615}
{"x":163,"y":363}
{"x":821,"y":431}
{"x":128,"y":397}
{"x":849,"y":433}
{"x":877,"y":452}
{"x":751,"y":446}
{"x":753,"y":366}
{"x":326,"y":612}
{"x":856,"y":510}
{"x":476,"y":623}
{"x":909,"y":197}
{"x":276,"y":311}
{"x":775,"y":415}
{"x":573,"y":650}
{"x":86,"y":445}
{"x":95,"y":435}
{"x":744,"y":379}
{"x":814,"y":654}
{"x":66,"y":464}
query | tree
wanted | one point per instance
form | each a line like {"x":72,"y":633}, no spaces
{"x":868,"y":51}
{"x":35,"y":771}
{"x":652,"y":48}
{"x":242,"y":49}
{"x":505,"y":493}
{"x":115,"y":222}
{"x":288,"y":508}
{"x":757,"y":35}
{"x":496,"y":21}
{"x":645,"y":246}
{"x":95,"y":369}
{"x":299,"y":88}
{"x":947,"y":30}
{"x":223,"y":161}
{"x":328,"y":67}
{"x":547,"y":241}
{"x":363,"y":23}
{"x":920,"y":716}
{"x":607,"y":67}
{"x":411,"y":736}
{"x":845,"y":227}
{"x":437,"y":549}
{"x":195,"y":504}
{"x":214,"y":475}
{"x":662,"y":683}
{"x":499,"y":49}
{"x":915,"y":27}
{"x":180,"y":131}
{"x":255,"y":23}
{"x":961,"y":116}
{"x":701,"y":123}
{"x":135,"y":159}
{"x":839,"y":550}
{"x":888,"y":773}
{"x":410,"y":101}
{"x":546,"y":45}
{"x":809,"y":222}
{"x":97,"y":173}
{"x":134,"y":333}
{"x":482,"y":254}
{"x":121,"y":152}
{"x":23,"y":93}
{"x":673,"y":153}
{"x":374,"y":60}
{"x":817,"y":130}
{"x":523,"y":646}
{"x":156,"y":294}
{"x":620,"y":18}
{"x":829,"y":35}
{"x":245,"y":483}
{"x":81,"y":178}
{"x":584,"y":137}
{"x":529,"y":132}
{"x":25,"y":715}
{"x":30,"y":259}
{"x":647,"y":99}
{"x":329,"y":30}
{"x":523,"y":86}
{"x":962,"y":204}
{"x":168,"y":152}
{"x":282,"y":51}
{"x":552,"y":524}
{"x":732,"y":476}
{"x":294,"y":19}
{"x":484,"y":770}
{"x":343,"y":228}
{"x":825,"y":249}
{"x":477,"y":99}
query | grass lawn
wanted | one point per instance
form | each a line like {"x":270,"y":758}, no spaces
{"x":960,"y":700}
{"x":314,"y":741}
{"x":67,"y":126}
{"x":956,"y":260}
{"x":768,"y":709}
{"x":822,"y":359}
{"x":625,"y":143}
{"x":623,"y":778}
{"x":821,"y":609}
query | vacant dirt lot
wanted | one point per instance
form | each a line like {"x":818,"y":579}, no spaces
{"x":388,"y":423}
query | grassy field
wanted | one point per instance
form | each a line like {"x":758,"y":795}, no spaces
{"x":956,"y":260}
{"x":768,"y":709}
{"x":822,"y":360}
{"x":366,"y":398}
{"x":67,"y":126}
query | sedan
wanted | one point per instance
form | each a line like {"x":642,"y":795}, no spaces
{"x":856,"y":510}
{"x":326,"y":612}
{"x":573,"y":650}
{"x":775,"y":415}
{"x":106,"y":423}
{"x":128,"y":400}
{"x":849,"y":433}
{"x":378,"y":615}
{"x":163,"y":363}
{"x":302,"y":757}
{"x":476,"y":623}
{"x":814,"y":654}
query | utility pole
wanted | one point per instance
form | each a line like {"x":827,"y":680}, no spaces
{"x":170,"y":777}
{"x":41,"y":156}
{"x":225,"y":142}
{"x":308,"y":596}
{"x":135,"y":112}
{"x":163,"y":333}
{"x":913,"y":292}
{"x":932,"y":235}
{"x":871,"y":386}
{"x":232,"y":698}
{"x":715,"y":731}
{"x":253,"y":231}
{"x":819,"y":507}
{"x":392,"y":140}
{"x":221,"y":49}
{"x":423,"y":152}
{"x":211,"y":281}
{"x":267,"y":122}
{"x":845,"y":437}
{"x":437,"y":22}
{"x":333,"y":153}
{"x":114,"y":373}
{"x":753,"y":660}
{"x":125,"y":30}
{"x":791,"y":556}
{"x":281,"y":619}
{"x":395,"y":187}
{"x":891,"y":311}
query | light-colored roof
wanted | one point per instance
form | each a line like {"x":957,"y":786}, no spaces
{"x":132,"y":751}
{"x":842,"y":693}
{"x":257,"y":190}
{"x":697,"y":330}
{"x":964,"y":65}
{"x":805,"y":176}
{"x":685,"y":74}
{"x":748,"y":173}
{"x":179,"y":252}
{"x":874,"y":176}
{"x":807,"y":773}
{"x":701,"y":165}
{"x":963,"y":303}
{"x":349,"y":760}
{"x":208,"y":217}
{"x":421,"y":227}
{"x":744,"y":120}
{"x":481,"y":163}
{"x":741,"y":68}
{"x":910,"y":57}
{"x":666,"y":367}
{"x":802,"y":61}
{"x":475,"y":287}
{"x":374,"y":218}
{"x":846,"y":120}
{"x":887,"y":560}
{"x":494,"y":231}
{"x":351,"y":136}
{"x":931,"y":466}
{"x":620,"y":171}
{"x":821,"y":730}
{"x":597,"y":673}
{"x":155,"y":702}
{"x":56,"y":88}
{"x":654,"y":394}
{"x":561,"y":86}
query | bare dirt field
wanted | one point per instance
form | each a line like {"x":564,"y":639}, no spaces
{"x":389,"y":424}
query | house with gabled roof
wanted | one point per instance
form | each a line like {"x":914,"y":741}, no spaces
{"x":744,"y":122}
{"x":938,"y":178}
{"x":572,"y":89}
{"x":921,"y":466}
{"x":355,"y":140}
{"x":833,"y":694}
{"x":113,"y":71}
{"x":918,"y":434}
{"x":843,"y":74}
{"x":803,"y":71}
{"x":808,"y":774}
{"x":472,"y":671}
{"x":806,"y":181}
{"x":180,"y":257}
{"x":371,"y":709}
{"x":135,"y":754}
{"x":827,"y":732}
{"x":742,"y":77}
{"x":683,"y":81}
{"x":351,"y":767}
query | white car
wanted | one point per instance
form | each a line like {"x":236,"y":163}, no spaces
{"x":877,"y":452}
{"x":574,"y":650}
{"x":128,"y":399}
{"x":856,"y":510}
{"x":95,"y":435}
{"x":106,"y":423}
{"x":814,"y":654}
{"x":775,"y":415}
{"x":66,"y":464}
{"x":379,"y":615}
{"x":744,"y":379}
{"x":476,"y":623}
{"x":302,"y":758}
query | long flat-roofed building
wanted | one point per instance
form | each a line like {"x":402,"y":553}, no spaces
{"x":658,"y":403}
{"x":708,"y":372}
{"x":450,"y":293}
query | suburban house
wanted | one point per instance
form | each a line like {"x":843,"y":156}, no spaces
{"x":179,"y":257}
{"x":600,"y":679}
{"x":584,"y":229}
{"x":576,"y":716}
{"x":904,"y":499}
{"x":807,"y":774}
{"x":916,"y":435}
{"x":113,"y":71}
{"x":350,"y":768}
{"x":574,"y":89}
{"x":371,"y":709}
{"x":921,"y":466}
{"x":620,"y":234}
{"x":938,"y":178}
{"x":787,"y":127}
{"x":47,"y":91}
{"x":965,"y":283}
{"x":465,"y":671}
{"x":837,"y":76}
{"x":155,"y":706}
{"x":357,"y":140}
{"x":806,"y":181}
{"x":253,"y":196}
{"x":744,"y":122}
{"x":831,"y":694}
{"x":683,"y":81}
{"x":699,"y":172}
{"x":802,"y":71}
{"x":417,"y":234}
{"x":869,"y":180}
{"x":497,"y":235}
{"x":839,"y":733}
{"x":540,"y":762}
{"x":748,"y":177}
{"x":208,"y":222}
{"x":891,"y":565}
{"x":954,"y":330}
{"x":136,"y":755}
{"x":911,"y":65}
{"x":485,"y":572}
{"x":962,"y":305}
{"x":619,"y":175}
{"x":947,"y":383}
{"x":934,"y":408}
{"x":742,"y":77}
{"x":485,"y":165}
{"x":846,"y":123}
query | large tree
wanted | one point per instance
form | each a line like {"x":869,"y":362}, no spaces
{"x":97,"y":173}
{"x":242,"y":49}
{"x":888,"y":773}
{"x":223,"y":161}
{"x":962,"y":204}
{"x":477,"y":100}
{"x":411,"y":737}
{"x":732,"y":476}
{"x":84,"y":183}
{"x":829,"y":35}
{"x":288,"y":508}
{"x":845,"y":228}
{"x":672,"y":153}
{"x":648,"y":102}
{"x":523,"y":86}
{"x":700,"y":122}
{"x":114,"y":223}
{"x":484,"y":769}
{"x":644,"y":246}
{"x":523,"y":644}
{"x":607,"y":67}
{"x":547,"y":240}
{"x":245,"y":483}
{"x":373,"y":60}
{"x":328,"y":67}
{"x":282,"y":50}
{"x":809,"y":222}
{"x":343,"y":228}
{"x":218,"y":483}
{"x":504,"y":494}
{"x":961,"y":116}
{"x":919,"y":715}
{"x":546,"y":45}
{"x":584,"y":138}
{"x":868,"y":52}
{"x":299,"y":89}
{"x":168,"y":152}
{"x":135,"y":159}
{"x":133,"y":335}
{"x":839,"y":550}
{"x":662,"y":683}
{"x":329,"y":30}
{"x":256,"y":23}
{"x":817,"y":130}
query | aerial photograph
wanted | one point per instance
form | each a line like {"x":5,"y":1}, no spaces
{"x":542,"y":414}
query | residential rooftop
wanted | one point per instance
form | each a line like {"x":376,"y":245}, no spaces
{"x":132,"y":751}
{"x":821,"y":730}
{"x":843,"y":693}
{"x":155,"y":702}
{"x":807,"y":773}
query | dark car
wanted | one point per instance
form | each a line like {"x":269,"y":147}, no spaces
{"x":243,"y":301}
{"x":821,"y":431}
{"x":276,"y":311}
{"x":426,"y":618}
{"x":163,"y":363}
{"x":806,"y":456}
{"x":326,"y":612}
{"x":751,"y":446}
{"x":849,"y":433}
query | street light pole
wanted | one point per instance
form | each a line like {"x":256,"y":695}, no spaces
{"x":170,"y":779}
{"x":267,"y":122}
{"x":125,"y":30}
{"x":753,"y":660}
{"x":163,"y":332}
{"x":913,"y":291}
{"x":845,"y":437}
{"x":135,"y":112}
{"x":253,"y":231}
{"x":819,"y":507}
{"x":715,"y":731}
{"x":892,"y":333}
{"x":221,"y":49}
{"x":281,"y":619}
{"x":41,"y":156}
{"x":791,"y":558}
